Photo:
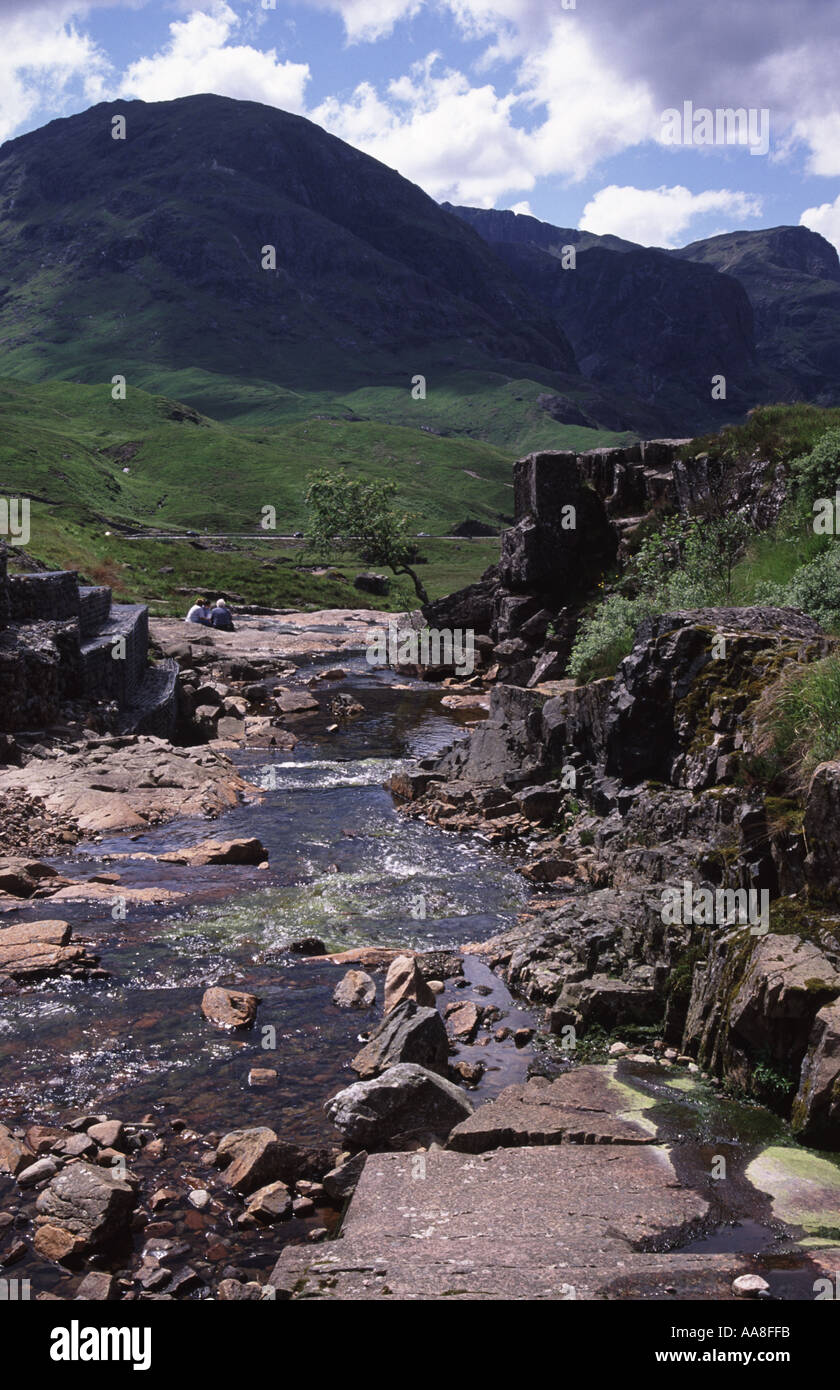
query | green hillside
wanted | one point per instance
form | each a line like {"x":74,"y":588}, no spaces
{"x":67,"y":447}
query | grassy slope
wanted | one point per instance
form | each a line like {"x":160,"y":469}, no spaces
{"x":65,"y":446}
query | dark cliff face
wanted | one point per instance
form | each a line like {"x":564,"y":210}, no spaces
{"x":766,"y":314}
{"x":640,"y":323}
{"x":792,"y":277}
{"x":150,"y":247}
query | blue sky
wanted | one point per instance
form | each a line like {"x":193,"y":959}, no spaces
{"x":551,"y":106}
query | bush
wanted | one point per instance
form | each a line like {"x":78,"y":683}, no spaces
{"x":817,"y":474}
{"x":814,"y":587}
{"x":685,"y":564}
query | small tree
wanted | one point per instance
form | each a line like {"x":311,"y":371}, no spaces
{"x":354,"y":517}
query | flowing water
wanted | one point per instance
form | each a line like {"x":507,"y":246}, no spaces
{"x":343,"y":867}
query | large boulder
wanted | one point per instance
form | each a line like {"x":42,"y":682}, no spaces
{"x":816,"y":1109}
{"x":756,"y":999}
{"x":410,"y":1033}
{"x":92,"y":1205}
{"x":406,"y":1102}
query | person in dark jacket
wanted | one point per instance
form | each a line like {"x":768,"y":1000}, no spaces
{"x":221,"y":616}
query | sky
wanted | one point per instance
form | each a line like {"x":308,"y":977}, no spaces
{"x":572,"y":110}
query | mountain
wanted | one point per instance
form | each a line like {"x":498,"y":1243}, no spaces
{"x":765,"y":314}
{"x":792,"y":278}
{"x":143,"y":256}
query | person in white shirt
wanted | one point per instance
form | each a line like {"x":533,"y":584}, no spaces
{"x":199,"y":613}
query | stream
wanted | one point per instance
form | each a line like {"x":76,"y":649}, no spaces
{"x":346,"y":868}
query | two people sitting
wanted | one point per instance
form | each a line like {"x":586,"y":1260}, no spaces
{"x":219,"y":615}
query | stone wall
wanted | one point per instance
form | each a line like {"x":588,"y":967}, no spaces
{"x":47,"y":597}
{"x":60,"y":644}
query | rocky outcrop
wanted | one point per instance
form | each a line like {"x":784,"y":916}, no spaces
{"x":34,"y":951}
{"x":126,"y":782}
{"x":815,"y":1116}
{"x":663,"y":865}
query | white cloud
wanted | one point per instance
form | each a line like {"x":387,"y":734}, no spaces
{"x":824,"y":219}
{"x":457,"y":141}
{"x":41,"y":57}
{"x":366,"y":20}
{"x":659,"y":216}
{"x":474,"y":144}
{"x":523,"y":209}
{"x":199,"y":58}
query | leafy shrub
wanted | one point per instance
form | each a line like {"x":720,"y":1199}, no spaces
{"x":817,"y":474}
{"x":685,"y":564}
{"x":814,"y":587}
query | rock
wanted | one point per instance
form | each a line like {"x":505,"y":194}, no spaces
{"x":98,"y":1287}
{"x":410,"y":1033}
{"x":822,"y":829}
{"x":307,"y":946}
{"x":405,"y":981}
{"x":804,"y":1188}
{"x":57,"y":1243}
{"x":243,"y":851}
{"x":262,"y":1076}
{"x":269,"y":1204}
{"x":295,"y":702}
{"x":89,"y":1203}
{"x":756,"y":997}
{"x":13,"y":1155}
{"x":371,"y":583}
{"x":37,"y":1172}
{"x":38,"y":950}
{"x":340,"y":1182}
{"x":229,"y":1008}
{"x":619,"y":1049}
{"x":199,"y":1198}
{"x":405,"y":1100}
{"x":548,"y":869}
{"x":463,"y":1020}
{"x":108,"y":1134}
{"x":251,"y":1158}
{"x":750,"y":1286}
{"x":469,"y":1072}
{"x":584,"y":1106}
{"x":357,"y":990}
{"x":815,"y":1117}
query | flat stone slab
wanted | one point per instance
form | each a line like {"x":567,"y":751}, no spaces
{"x":805,"y":1190}
{"x":586,"y":1106}
{"x":532,"y":1223}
